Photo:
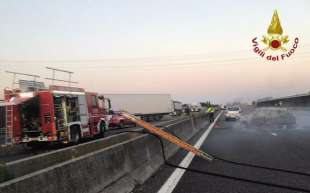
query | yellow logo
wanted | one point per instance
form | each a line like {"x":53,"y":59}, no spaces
{"x":274,"y":41}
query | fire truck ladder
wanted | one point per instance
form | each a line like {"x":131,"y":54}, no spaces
{"x":9,"y":125}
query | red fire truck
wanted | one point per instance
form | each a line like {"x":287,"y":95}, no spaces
{"x":58,"y":114}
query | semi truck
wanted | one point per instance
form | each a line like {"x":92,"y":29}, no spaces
{"x":58,"y":114}
{"x":149,"y":107}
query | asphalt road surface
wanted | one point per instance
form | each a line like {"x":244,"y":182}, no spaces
{"x":265,"y":137}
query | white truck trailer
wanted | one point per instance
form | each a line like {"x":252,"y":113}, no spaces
{"x":149,"y":107}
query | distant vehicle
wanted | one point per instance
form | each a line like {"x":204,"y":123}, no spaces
{"x":232,"y":113}
{"x":119,"y":121}
{"x":186,"y":109}
{"x":149,"y":107}
{"x":177,"y":108}
{"x":195,"y":107}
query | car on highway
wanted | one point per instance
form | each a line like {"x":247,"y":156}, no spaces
{"x":119,"y":121}
{"x":195,"y":107}
{"x":232,"y":113}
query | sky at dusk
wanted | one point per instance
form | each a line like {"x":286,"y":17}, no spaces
{"x":195,"y":50}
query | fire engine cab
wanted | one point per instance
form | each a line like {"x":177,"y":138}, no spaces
{"x":58,"y":114}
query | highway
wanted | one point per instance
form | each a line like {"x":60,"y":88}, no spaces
{"x":276,"y":144}
{"x":20,"y":151}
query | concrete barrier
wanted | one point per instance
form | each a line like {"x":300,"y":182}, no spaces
{"x":116,"y":168}
{"x":34,"y":163}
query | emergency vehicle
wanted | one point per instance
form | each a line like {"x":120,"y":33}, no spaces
{"x":58,"y":114}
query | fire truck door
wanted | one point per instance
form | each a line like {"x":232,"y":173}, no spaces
{"x":83,"y":111}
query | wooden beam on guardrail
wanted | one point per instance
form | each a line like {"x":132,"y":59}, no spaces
{"x":173,"y":139}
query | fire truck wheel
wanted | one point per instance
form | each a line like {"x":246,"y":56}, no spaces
{"x":75,"y":134}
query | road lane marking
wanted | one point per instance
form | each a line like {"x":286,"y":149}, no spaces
{"x":175,"y":177}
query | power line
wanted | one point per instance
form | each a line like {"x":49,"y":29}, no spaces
{"x":162,"y":65}
{"x":84,"y":61}
{"x":169,"y":65}
{"x":150,"y":66}
{"x":111,"y":59}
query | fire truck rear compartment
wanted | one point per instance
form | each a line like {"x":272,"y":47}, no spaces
{"x":30,"y":117}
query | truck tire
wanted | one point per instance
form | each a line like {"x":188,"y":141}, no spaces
{"x":160,"y":117}
{"x":155,"y":117}
{"x":147,"y":118}
{"x":75,"y":135}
